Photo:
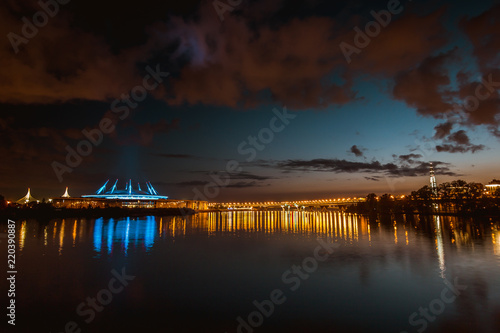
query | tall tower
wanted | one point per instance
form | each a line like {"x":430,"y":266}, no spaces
{"x":433,"y":182}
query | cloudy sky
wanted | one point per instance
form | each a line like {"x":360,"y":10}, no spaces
{"x":302,"y":99}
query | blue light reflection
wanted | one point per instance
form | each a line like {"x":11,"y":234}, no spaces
{"x":124,"y":235}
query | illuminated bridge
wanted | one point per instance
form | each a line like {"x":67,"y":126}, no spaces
{"x":287,"y":205}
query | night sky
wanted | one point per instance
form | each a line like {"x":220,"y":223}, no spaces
{"x":182,"y":87}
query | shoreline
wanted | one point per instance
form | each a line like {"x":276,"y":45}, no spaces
{"x":49,"y":213}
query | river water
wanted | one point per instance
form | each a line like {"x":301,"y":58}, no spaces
{"x":259,"y":271}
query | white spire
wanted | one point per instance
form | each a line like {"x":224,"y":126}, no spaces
{"x":27,"y":198}
{"x":66,"y":194}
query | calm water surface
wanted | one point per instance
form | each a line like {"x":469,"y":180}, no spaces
{"x":199,"y":274}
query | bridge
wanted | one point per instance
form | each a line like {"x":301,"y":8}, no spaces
{"x":337,"y":203}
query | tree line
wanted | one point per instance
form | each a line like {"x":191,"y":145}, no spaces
{"x":456,"y":197}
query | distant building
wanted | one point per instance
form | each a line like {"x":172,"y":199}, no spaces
{"x":129,"y":197}
{"x":492,"y":187}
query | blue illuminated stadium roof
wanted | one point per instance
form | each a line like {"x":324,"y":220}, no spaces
{"x":129,"y":193}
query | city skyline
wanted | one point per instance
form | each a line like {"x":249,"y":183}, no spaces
{"x":298,"y":99}
{"x":129,"y":192}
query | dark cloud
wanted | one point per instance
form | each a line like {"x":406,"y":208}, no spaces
{"x":427,"y":88}
{"x":243,"y":179}
{"x":131,"y":133}
{"x":403,"y":44}
{"x":459,"y":142}
{"x":477,"y":101}
{"x":409,"y":158}
{"x":192,"y":183}
{"x":442,"y":130}
{"x":177,"y":156}
{"x":344,"y":166}
{"x":356,"y":151}
{"x":62,"y":63}
{"x":448,"y":148}
{"x":484,"y":33}
{"x":30,"y":143}
{"x":460,"y":138}
{"x":250,"y":176}
{"x":243,"y":175}
{"x":200,"y":183}
{"x":250,"y":58}
{"x":246,"y":184}
{"x":246,"y":61}
{"x":28,"y":153}
{"x":480,"y":101}
{"x":375,"y":179}
{"x":334,"y":165}
{"x":424,"y":87}
{"x":254,"y":57}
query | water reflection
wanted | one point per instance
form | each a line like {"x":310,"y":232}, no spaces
{"x":495,"y":237}
{"x":22,"y":235}
{"x":124,"y":233}
{"x":61,"y":236}
{"x":331,"y":224}
{"x":111,"y":235}
{"x":440,"y":245}
{"x":384,"y":270}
